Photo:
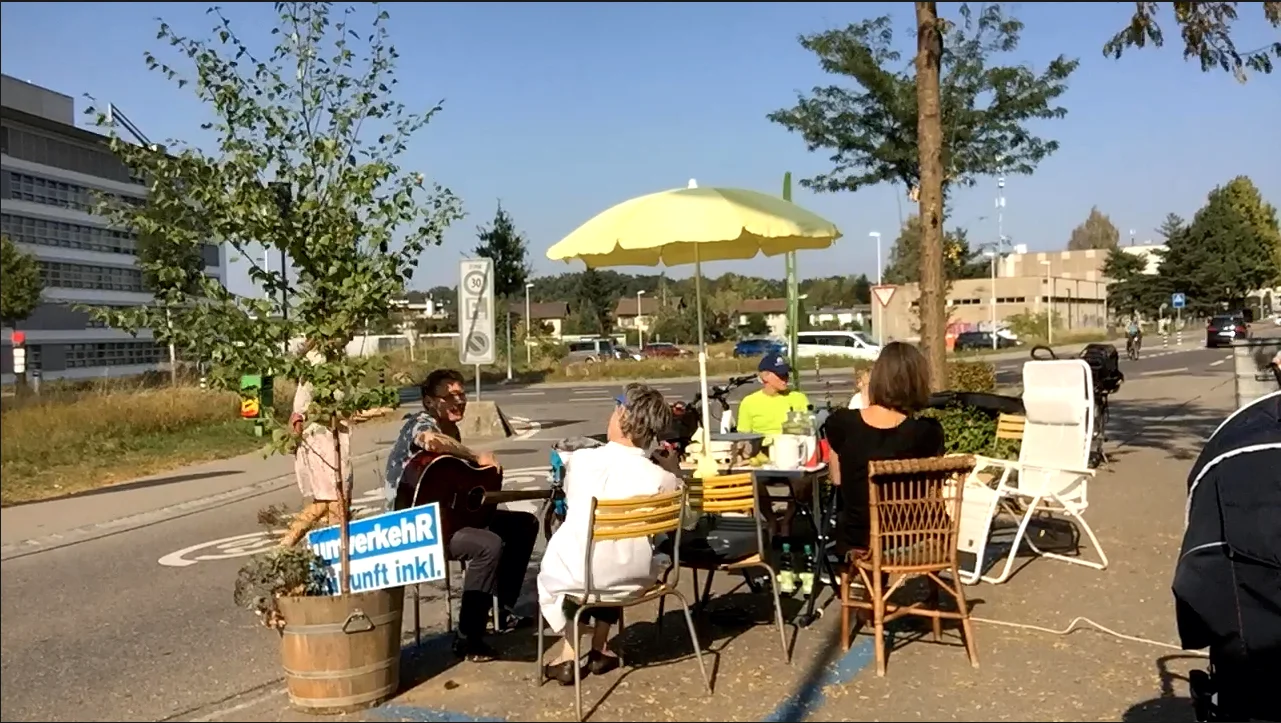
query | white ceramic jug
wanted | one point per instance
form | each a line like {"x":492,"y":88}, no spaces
{"x":790,"y":451}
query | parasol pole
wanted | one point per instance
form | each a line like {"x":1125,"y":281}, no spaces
{"x":706,"y":466}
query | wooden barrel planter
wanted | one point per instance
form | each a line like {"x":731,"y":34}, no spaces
{"x":341,"y":654}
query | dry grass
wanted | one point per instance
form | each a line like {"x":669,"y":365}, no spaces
{"x":62,"y":443}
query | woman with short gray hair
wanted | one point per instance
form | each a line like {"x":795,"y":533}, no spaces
{"x":618,"y":470}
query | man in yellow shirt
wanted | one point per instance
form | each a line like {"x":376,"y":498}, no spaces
{"x":764,"y":411}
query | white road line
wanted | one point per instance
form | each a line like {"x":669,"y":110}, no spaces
{"x":224,"y":712}
{"x":1163,"y":371}
{"x":527,"y":394}
{"x":531,"y":427}
{"x":1217,"y":363}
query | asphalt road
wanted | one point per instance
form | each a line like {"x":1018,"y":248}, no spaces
{"x":140,"y":625}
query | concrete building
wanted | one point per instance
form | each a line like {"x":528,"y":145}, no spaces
{"x":1079,"y":303}
{"x":49,"y":170}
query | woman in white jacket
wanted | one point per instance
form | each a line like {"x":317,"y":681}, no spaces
{"x":619,"y":470}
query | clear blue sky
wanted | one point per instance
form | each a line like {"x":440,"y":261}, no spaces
{"x":563,"y":109}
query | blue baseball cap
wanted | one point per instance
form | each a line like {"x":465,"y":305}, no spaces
{"x":774,"y":363}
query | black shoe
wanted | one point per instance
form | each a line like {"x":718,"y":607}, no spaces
{"x":562,"y":673}
{"x":474,"y":650}
{"x":599,"y":663}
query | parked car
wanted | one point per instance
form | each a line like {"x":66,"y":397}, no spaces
{"x":1225,"y":329}
{"x":662,"y":349}
{"x":983,"y":340}
{"x":594,"y":350}
{"x":853,"y":344}
{"x":759,"y":347}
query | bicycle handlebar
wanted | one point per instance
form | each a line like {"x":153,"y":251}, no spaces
{"x":1048,"y":350}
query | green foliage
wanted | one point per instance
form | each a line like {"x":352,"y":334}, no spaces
{"x":755,"y":326}
{"x":20,"y":284}
{"x":166,"y":265}
{"x":1206,"y":28}
{"x":1030,"y":326}
{"x":959,"y":261}
{"x":1097,"y":232}
{"x":305,"y":161}
{"x":872,"y":129}
{"x":1231,"y":248}
{"x":595,"y":305}
{"x":1171,"y":226}
{"x":971,"y":377}
{"x":1130,"y":288}
{"x":510,"y":252}
{"x":279,"y":572}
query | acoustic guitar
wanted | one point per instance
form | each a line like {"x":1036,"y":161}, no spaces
{"x":467,"y":492}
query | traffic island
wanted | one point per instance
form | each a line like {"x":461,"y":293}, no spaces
{"x":484,"y":420}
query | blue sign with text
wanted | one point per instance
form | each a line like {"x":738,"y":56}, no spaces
{"x":387,"y":550}
{"x":1178,"y":301}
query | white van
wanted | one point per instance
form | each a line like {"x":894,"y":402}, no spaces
{"x":853,"y":344}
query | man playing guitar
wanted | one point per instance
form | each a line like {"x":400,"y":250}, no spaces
{"x":496,"y":557}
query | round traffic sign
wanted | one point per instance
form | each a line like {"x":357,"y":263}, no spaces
{"x":477,"y":343}
{"x":474,"y":282}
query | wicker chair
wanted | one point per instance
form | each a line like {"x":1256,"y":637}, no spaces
{"x":914,"y":506}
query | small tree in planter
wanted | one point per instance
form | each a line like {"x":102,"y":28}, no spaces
{"x":307,"y":140}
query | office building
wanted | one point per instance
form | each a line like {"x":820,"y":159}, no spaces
{"x":49,"y":171}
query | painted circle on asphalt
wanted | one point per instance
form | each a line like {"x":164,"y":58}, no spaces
{"x":369,"y":503}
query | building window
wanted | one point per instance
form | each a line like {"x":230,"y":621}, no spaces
{"x":25,"y":187}
{"x":43,"y":232}
{"x":86,"y":276}
{"x":58,"y":153}
{"x":114,"y":354}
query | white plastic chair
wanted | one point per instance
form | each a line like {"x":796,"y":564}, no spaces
{"x":1052,"y":470}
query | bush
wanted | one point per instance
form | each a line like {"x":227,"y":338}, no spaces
{"x":967,"y":430}
{"x":967,"y":376}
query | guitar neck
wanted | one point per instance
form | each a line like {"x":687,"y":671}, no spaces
{"x":501,"y":496}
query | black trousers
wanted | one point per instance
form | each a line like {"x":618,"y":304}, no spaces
{"x":497,"y":559}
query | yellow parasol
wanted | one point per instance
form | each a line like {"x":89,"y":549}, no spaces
{"x":693,"y":225}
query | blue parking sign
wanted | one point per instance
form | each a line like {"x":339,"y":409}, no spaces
{"x":1178,"y":301}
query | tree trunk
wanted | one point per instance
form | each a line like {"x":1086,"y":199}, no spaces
{"x":344,"y":504}
{"x":929,"y":52}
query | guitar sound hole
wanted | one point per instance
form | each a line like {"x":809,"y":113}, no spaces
{"x":475,"y":498}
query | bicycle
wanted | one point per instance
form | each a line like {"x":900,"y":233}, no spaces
{"x":1133,"y":343}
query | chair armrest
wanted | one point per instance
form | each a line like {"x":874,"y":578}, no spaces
{"x":980,"y":461}
{"x":1069,"y":470}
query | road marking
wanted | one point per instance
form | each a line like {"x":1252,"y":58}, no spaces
{"x":527,"y":394}
{"x":371,"y":502}
{"x":1163,"y":371}
{"x":223,"y":712}
{"x":531,"y":427}
{"x":1217,"y":363}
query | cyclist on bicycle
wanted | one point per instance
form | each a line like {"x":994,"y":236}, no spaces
{"x":1133,"y":337}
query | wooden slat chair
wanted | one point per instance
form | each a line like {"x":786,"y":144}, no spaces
{"x":914,"y":507}
{"x":730,"y":495}
{"x":1010,"y":426}
{"x":629,"y":519}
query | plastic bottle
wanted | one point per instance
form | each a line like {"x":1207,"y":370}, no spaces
{"x":786,"y":578}
{"x":807,"y":571}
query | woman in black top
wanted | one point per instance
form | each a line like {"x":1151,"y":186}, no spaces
{"x":884,"y":429}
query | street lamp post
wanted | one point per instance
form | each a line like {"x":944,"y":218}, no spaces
{"x":1049,"y":306}
{"x":1000,"y":243}
{"x":529,"y":354}
{"x":640,"y":333}
{"x":880,"y":313}
{"x":993,"y":255}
